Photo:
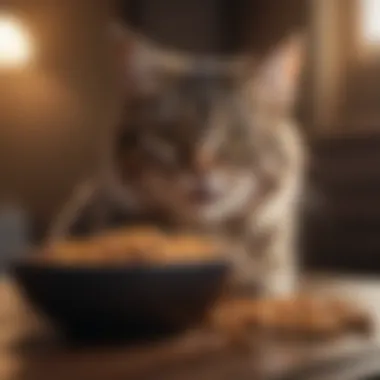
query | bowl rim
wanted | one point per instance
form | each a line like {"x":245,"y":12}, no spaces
{"x":117,"y":267}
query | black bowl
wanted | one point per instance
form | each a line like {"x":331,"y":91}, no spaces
{"x":131,"y":302}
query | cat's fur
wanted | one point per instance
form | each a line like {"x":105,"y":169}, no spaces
{"x":210,"y":145}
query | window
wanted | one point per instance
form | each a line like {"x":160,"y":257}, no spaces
{"x":370,"y":21}
{"x":346,"y":65}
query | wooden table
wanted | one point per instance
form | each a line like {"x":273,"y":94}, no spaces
{"x":29,"y":349}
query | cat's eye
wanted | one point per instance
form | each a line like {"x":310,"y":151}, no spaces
{"x":160,"y":149}
{"x":167,"y":107}
{"x":128,"y":138}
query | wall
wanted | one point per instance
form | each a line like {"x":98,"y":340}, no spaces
{"x":219,"y":26}
{"x":345,"y":71}
{"x":192,"y":25}
{"x":54,"y":113}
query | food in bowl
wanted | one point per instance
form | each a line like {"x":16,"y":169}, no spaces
{"x":146,"y":245}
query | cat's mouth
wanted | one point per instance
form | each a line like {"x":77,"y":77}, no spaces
{"x":214,"y":202}
{"x":203,"y":195}
{"x":202,"y":191}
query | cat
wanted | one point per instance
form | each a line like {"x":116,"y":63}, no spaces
{"x":208,"y":144}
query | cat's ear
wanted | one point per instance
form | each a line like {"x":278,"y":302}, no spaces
{"x":276,"y":77}
{"x":140,"y":71}
{"x":147,"y":64}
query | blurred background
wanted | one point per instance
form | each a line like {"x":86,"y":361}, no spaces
{"x":56,"y":110}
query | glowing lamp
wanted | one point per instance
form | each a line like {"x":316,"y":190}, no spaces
{"x":15,"y":44}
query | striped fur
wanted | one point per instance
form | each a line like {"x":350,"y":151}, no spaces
{"x":210,"y":145}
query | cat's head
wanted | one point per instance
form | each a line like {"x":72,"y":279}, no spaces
{"x":200,"y":141}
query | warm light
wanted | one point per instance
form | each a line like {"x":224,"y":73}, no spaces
{"x":15,"y":47}
{"x":370,"y":21}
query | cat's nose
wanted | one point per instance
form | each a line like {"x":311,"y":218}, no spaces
{"x":202,"y":191}
{"x":202,"y":163}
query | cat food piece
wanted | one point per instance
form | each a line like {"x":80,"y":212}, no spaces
{"x":301,"y":317}
{"x":134,"y":236}
{"x":190,"y":248}
{"x":138,"y":244}
{"x":352,"y":316}
{"x":71,"y":252}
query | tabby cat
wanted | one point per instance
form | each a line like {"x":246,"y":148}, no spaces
{"x":208,"y":144}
